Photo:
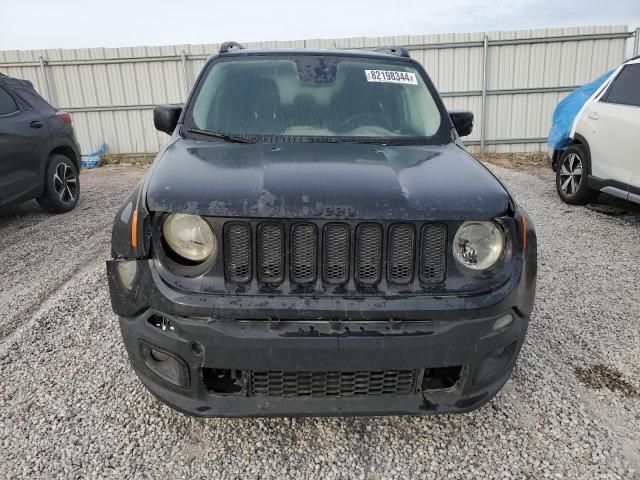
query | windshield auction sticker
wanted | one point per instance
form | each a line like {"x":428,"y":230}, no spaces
{"x":389,"y":76}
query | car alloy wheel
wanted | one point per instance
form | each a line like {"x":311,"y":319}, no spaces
{"x":570,"y":174}
{"x":65,"y":182}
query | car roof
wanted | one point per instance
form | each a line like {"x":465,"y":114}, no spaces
{"x":327,"y":52}
{"x":10,"y":82}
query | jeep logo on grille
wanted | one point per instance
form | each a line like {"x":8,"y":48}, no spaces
{"x":342,"y":211}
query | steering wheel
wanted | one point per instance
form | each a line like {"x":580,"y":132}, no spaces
{"x":358,"y":121}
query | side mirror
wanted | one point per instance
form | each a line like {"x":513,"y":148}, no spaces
{"x":463,"y":121}
{"x":165,"y":117}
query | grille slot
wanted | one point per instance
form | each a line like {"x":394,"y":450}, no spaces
{"x":271,"y":253}
{"x":336,"y":253}
{"x":401,"y":253}
{"x":368,"y":253}
{"x":433,"y":249}
{"x":237,"y":252}
{"x":322,"y":384}
{"x":304,"y":253}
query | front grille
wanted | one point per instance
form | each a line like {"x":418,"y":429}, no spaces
{"x":401,"y":253}
{"x":271,"y":253}
{"x":237,"y":252}
{"x":338,"y":254}
{"x":337,"y":384}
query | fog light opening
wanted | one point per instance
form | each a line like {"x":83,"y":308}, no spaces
{"x":225,"y":381}
{"x":158,"y":356}
{"x":503,"y":322}
{"x":496,"y":362}
{"x":165,"y":365}
{"x":440,"y":378}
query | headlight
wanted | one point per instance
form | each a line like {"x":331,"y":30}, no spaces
{"x":189,"y":236}
{"x":478,"y":245}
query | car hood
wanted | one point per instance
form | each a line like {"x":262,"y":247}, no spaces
{"x":324,"y":180}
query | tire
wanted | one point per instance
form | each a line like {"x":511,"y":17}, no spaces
{"x":62,"y":185}
{"x":571,"y":177}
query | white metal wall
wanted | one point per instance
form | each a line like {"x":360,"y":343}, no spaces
{"x":111,"y":92}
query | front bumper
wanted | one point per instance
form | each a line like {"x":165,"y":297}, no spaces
{"x":231,"y":333}
{"x":248,"y":346}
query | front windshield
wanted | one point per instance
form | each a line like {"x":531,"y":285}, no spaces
{"x":315,"y":98}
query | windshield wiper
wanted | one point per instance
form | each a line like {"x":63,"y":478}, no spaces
{"x":223,"y":136}
{"x":363,"y":140}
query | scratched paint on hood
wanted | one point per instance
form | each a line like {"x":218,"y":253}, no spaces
{"x":318,"y":180}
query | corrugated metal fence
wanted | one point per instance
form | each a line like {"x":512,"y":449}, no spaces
{"x":511,"y":80}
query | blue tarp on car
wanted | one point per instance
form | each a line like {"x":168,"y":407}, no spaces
{"x":567,"y":110}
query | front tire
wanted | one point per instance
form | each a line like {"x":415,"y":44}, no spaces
{"x":571,"y":177}
{"x":62,"y":185}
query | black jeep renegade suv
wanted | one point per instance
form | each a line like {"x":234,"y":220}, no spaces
{"x":314,"y":240}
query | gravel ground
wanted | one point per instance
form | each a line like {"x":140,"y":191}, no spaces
{"x":71,"y":407}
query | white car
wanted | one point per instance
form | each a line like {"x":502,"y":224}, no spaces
{"x":604,"y":154}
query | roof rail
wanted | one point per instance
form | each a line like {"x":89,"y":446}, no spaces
{"x":392,"y":50}
{"x":227,"y":47}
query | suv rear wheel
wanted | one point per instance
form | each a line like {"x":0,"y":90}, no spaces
{"x":62,"y":185}
{"x":571,"y":177}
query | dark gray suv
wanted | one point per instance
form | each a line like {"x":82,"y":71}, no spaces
{"x":39,"y":155}
{"x":314,"y":240}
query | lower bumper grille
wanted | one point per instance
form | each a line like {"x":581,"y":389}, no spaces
{"x":321,"y":384}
